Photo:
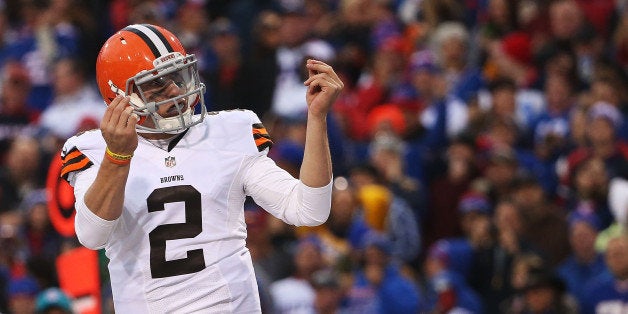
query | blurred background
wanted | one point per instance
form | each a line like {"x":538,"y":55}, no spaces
{"x":479,"y":149}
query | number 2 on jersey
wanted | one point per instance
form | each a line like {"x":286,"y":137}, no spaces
{"x":194,"y":262}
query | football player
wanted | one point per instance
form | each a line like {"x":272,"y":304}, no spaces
{"x":162,"y":189}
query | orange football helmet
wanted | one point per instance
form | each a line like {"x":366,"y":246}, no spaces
{"x":140,"y":61}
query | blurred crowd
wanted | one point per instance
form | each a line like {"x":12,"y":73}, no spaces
{"x":480,"y":147}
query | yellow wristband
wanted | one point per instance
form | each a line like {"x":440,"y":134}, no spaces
{"x":117,"y":156}
{"x":121,"y":162}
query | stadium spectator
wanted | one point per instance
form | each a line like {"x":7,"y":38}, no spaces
{"x":451,"y":43}
{"x":53,"y":301}
{"x":295,"y":47}
{"x":447,"y":290}
{"x":544,"y":292}
{"x":476,"y":92}
{"x":22,"y":291}
{"x":590,"y":191}
{"x":540,"y":218}
{"x":335,"y":234}
{"x":388,"y":155}
{"x":494,"y":245}
{"x":379,"y":286}
{"x":429,"y":80}
{"x":584,"y":263}
{"x":618,"y":200}
{"x":75,"y":101}
{"x":295,"y":294}
{"x":383,"y":211}
{"x":16,"y":116}
{"x":259,"y":66}
{"x":22,"y":173}
{"x":607,"y":292}
{"x":329,"y":292}
{"x":225,"y":62}
{"x":45,"y":35}
{"x":460,"y":168}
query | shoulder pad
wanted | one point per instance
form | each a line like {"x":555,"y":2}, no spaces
{"x":80,"y":151}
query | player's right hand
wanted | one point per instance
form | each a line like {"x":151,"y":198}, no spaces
{"x":118,"y":126}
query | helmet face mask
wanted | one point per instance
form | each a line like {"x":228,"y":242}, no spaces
{"x":154,"y":89}
{"x":161,"y":79}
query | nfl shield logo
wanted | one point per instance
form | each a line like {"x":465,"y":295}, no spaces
{"x":170,"y":162}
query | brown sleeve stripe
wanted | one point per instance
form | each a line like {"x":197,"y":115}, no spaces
{"x":259,"y":126}
{"x":74,"y":160}
{"x":261,"y":137}
{"x":71,"y":155}
{"x":260,"y":129}
{"x":82,"y":165}
{"x":261,"y":132}
{"x":263,"y":143}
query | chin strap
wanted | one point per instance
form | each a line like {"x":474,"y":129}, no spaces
{"x":178,"y":121}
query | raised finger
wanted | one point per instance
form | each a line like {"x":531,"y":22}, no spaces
{"x":118,"y":111}
{"x":132,"y":121}
{"x":322,"y":67}
{"x":315,"y":66}
{"x":322,"y":81}
{"x":109,"y":111}
{"x":311,"y":72}
{"x":124,"y":117}
{"x":313,"y":77}
{"x":331,"y":77}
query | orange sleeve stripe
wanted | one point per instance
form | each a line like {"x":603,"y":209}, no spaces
{"x":261,"y":137}
{"x":72,"y":154}
{"x":80,"y":165}
{"x":260,"y":141}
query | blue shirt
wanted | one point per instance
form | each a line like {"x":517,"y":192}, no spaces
{"x":466,"y":297}
{"x":605,"y":294}
{"x":576,"y":275}
{"x":395,"y":294}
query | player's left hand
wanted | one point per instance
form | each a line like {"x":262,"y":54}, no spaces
{"x":324,"y":86}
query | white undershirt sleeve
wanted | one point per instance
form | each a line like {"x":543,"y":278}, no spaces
{"x":92,"y":231}
{"x":285,"y":197}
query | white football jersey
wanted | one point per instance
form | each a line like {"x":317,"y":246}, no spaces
{"x":179,"y":245}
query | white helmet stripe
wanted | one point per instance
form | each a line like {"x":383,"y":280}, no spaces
{"x":154,"y":41}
